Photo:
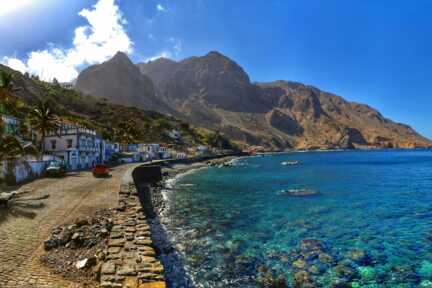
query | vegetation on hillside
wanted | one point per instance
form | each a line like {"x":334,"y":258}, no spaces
{"x":112,"y":121}
{"x":11,"y":148}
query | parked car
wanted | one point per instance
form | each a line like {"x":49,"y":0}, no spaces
{"x":101,"y":171}
{"x":55,"y":169}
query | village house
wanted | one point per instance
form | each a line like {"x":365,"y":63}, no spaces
{"x":11,"y":124}
{"x":202,"y":150}
{"x":78,"y":146}
{"x":67,"y":85}
{"x":164,"y":152}
{"x":181,"y":155}
{"x":152,"y":150}
{"x":111,"y":149}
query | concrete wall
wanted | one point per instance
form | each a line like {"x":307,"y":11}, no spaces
{"x":147,"y":174}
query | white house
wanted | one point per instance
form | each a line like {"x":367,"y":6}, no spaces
{"x":181,"y":155}
{"x":79,"y":147}
{"x":164,"y":153}
{"x":150,"y":149}
{"x":202,"y":150}
{"x":111,"y":149}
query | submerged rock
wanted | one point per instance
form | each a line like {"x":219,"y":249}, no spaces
{"x":303,"y":279}
{"x":426,"y":284}
{"x":269,"y":281}
{"x":425,"y":269}
{"x":367,"y":272}
{"x":358,"y":256}
{"x":325,"y":258}
{"x":299,"y":264}
{"x":307,"y":245}
{"x":345,"y":271}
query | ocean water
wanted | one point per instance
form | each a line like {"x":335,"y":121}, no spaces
{"x":370,"y":225}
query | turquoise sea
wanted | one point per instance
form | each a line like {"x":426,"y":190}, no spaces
{"x":370,"y":225}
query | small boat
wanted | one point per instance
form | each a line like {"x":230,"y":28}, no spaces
{"x":290,"y":163}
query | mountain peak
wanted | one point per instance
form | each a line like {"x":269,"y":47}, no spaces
{"x":216,"y":54}
{"x":161,"y":60}
{"x":120,"y":57}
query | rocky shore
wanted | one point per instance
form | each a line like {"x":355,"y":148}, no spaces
{"x":175,"y":273}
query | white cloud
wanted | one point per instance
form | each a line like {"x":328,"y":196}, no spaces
{"x":171,"y":52}
{"x":160,"y":8}
{"x":16,"y":64}
{"x":163,"y":54}
{"x":93,"y":43}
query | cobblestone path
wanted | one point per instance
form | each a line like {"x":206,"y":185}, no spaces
{"x":21,"y":238}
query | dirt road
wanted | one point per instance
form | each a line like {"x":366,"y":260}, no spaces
{"x":21,"y":238}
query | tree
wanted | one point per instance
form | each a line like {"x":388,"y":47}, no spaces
{"x":219,"y":141}
{"x":43,"y":120}
{"x":11,"y":150}
{"x":9,"y":104}
{"x":163,"y":124}
{"x":5,"y":79}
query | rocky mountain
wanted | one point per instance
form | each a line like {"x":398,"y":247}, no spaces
{"x":120,"y":81}
{"x":159,"y":69}
{"x":214,"y":92}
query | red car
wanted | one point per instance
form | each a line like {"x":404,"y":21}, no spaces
{"x":101,"y":171}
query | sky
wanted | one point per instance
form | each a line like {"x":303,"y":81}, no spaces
{"x":373,"y":52}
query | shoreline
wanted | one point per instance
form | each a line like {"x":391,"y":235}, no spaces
{"x":176,"y":274}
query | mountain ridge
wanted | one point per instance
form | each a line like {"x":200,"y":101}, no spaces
{"x":119,"y":81}
{"x":214,"y":92}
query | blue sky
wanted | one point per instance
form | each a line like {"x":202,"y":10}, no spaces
{"x":373,"y":52}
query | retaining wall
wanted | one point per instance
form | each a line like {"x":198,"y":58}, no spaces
{"x":27,"y":170}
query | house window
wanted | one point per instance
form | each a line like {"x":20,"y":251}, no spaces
{"x":69,"y":143}
{"x":53,"y":144}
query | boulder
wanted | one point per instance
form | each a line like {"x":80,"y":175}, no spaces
{"x":86,"y":263}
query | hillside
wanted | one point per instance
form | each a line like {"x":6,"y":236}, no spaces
{"x":100,"y":114}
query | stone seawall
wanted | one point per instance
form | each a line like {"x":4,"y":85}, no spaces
{"x":131,"y":253}
{"x":131,"y":258}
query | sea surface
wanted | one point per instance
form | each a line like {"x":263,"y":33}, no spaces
{"x":369,"y":225}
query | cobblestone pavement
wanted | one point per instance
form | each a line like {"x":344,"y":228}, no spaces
{"x":21,"y":238}
{"x":131,"y":260}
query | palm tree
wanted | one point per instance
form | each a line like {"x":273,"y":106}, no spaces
{"x":11,"y":150}
{"x":43,"y":120}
